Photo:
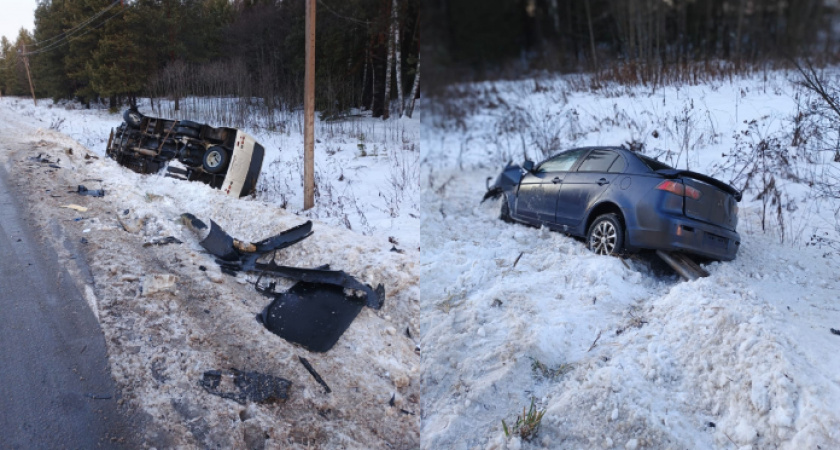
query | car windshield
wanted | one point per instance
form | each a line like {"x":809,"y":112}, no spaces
{"x":653,"y":164}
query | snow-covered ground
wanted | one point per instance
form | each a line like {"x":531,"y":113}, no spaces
{"x":620,"y":353}
{"x":365,"y":169}
{"x":168,"y":314}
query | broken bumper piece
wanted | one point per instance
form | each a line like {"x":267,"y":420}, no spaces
{"x":373,"y":297}
{"x":243,"y":387}
{"x":312,"y":315}
{"x":236,"y":255}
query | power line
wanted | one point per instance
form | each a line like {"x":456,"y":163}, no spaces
{"x":78,"y":27}
{"x":351,"y":19}
{"x":67,"y":39}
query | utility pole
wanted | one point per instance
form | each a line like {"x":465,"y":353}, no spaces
{"x":28,"y":76}
{"x":309,"y":110}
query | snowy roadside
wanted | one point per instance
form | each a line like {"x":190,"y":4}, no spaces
{"x":160,"y":343}
{"x":365,"y":168}
{"x":620,"y":353}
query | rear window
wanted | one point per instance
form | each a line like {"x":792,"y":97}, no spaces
{"x":598,"y":161}
{"x":653,"y":164}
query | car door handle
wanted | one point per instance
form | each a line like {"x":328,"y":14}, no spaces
{"x":556,"y":180}
{"x":603,"y":181}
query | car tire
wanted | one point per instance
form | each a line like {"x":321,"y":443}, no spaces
{"x":189,"y":124}
{"x":215,"y":159}
{"x":606,"y":235}
{"x":505,"y":213}
{"x":133,"y":118}
{"x":189,"y":132}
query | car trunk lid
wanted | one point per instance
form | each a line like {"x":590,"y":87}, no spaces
{"x":717,"y":203}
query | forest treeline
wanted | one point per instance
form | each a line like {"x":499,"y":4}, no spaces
{"x":637,"y":39}
{"x":97,"y":50}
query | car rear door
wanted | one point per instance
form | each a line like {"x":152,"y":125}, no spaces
{"x":537,"y":196}
{"x":583,"y":187}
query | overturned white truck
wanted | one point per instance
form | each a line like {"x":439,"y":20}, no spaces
{"x":225,"y":158}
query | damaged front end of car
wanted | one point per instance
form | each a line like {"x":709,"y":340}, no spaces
{"x":507,"y":180}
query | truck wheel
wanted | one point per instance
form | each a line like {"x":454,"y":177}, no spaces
{"x":189,"y":124}
{"x":133,"y":118}
{"x":215,"y":159}
{"x":189,"y":132}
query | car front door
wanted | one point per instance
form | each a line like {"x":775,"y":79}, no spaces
{"x":537,"y":196}
{"x":584,"y":186}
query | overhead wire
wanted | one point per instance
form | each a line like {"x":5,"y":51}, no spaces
{"x":351,"y":19}
{"x":78,"y":27}
{"x":68,"y":39}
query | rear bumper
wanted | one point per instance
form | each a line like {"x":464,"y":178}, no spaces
{"x":679,"y":233}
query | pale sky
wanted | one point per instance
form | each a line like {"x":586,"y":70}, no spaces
{"x":15,"y":14}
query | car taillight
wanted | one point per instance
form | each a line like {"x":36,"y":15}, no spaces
{"x":693,"y":193}
{"x":674,"y":187}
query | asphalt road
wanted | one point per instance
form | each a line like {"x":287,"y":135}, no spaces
{"x":56,"y":390}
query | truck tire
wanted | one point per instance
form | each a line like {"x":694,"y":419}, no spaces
{"x":215,"y":159}
{"x":189,"y":124}
{"x":189,"y":132}
{"x":133,"y":118}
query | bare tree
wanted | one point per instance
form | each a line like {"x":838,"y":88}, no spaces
{"x":414,"y":88}
{"x":395,"y":27}
{"x":386,"y":101}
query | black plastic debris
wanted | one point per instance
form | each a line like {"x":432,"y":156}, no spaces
{"x":82,"y":190}
{"x":313,"y":315}
{"x":322,"y":275}
{"x":243,"y":387}
{"x":235,"y":255}
{"x":163,"y":241}
{"x":833,"y":331}
{"x":393,"y":404}
{"x":314,"y":374}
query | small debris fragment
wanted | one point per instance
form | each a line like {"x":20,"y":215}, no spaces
{"x":153,"y":284}
{"x":314,"y":374}
{"x":837,"y":332}
{"x":82,"y":190}
{"x":518,"y":258}
{"x":162,"y":241}
{"x":711,"y":425}
{"x":83,"y":241}
{"x":75,"y":207}
{"x":496,"y":303}
{"x":99,"y":396}
{"x":243,"y":387}
{"x":397,"y":250}
{"x":202,"y":268}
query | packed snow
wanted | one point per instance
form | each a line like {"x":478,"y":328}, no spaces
{"x":168,"y":314}
{"x":620,"y":352}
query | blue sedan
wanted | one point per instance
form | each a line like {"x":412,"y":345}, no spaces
{"x":620,"y":200}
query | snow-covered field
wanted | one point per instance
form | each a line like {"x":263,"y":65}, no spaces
{"x":620,"y":353}
{"x":168,"y":314}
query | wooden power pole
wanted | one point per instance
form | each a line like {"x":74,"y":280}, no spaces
{"x":309,"y":110}
{"x":28,"y":76}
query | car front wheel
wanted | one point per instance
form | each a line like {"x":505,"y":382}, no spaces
{"x":606,"y":235}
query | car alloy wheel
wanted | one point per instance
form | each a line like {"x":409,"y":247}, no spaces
{"x":606,"y":235}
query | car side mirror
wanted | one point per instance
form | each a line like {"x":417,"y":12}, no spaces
{"x":528,"y":166}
